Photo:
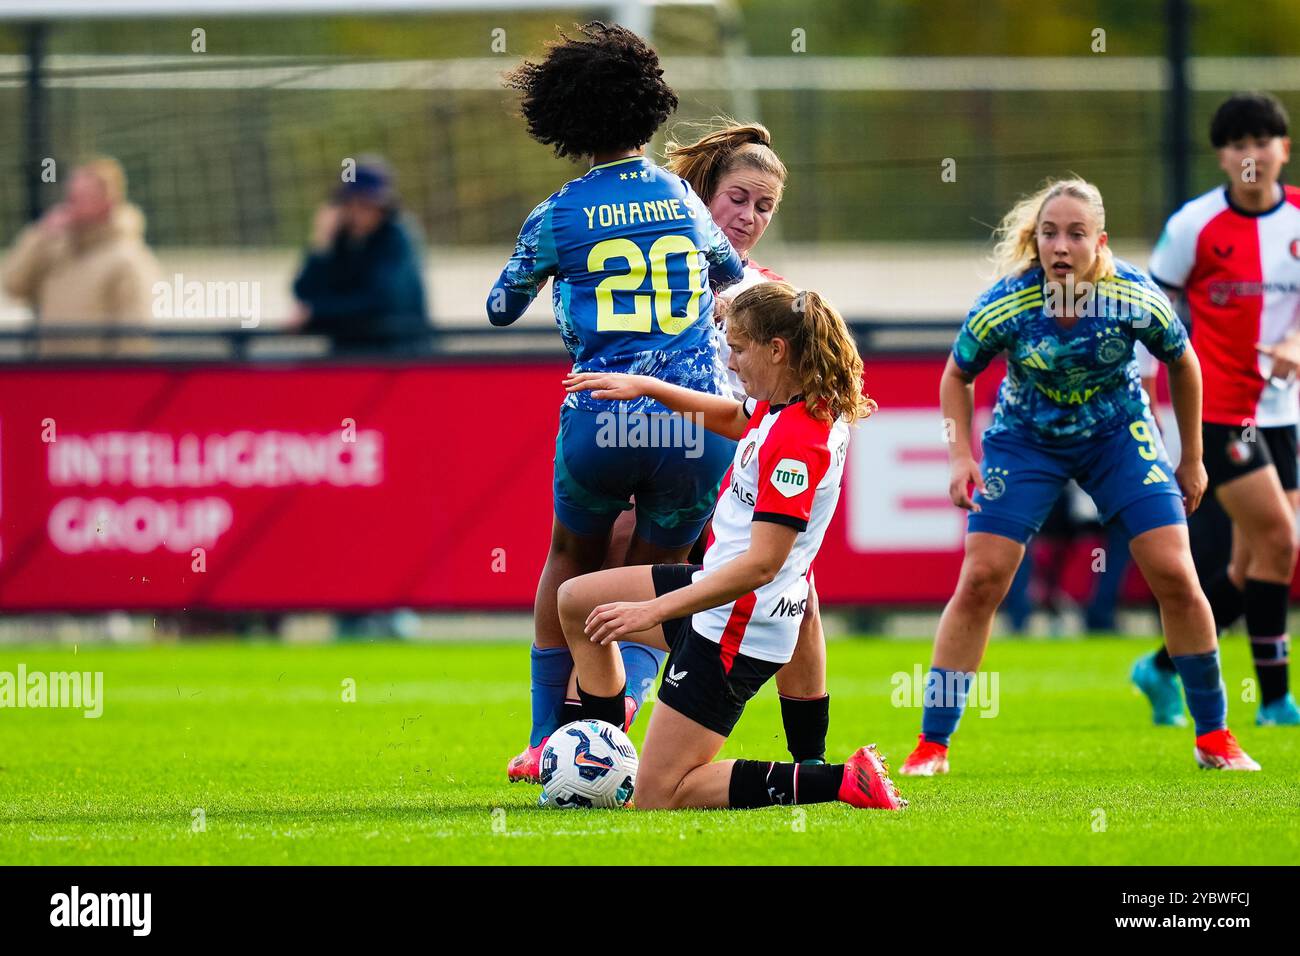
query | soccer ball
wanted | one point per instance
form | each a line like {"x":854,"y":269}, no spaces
{"x":588,"y":763}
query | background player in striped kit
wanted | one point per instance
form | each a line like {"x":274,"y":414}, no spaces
{"x":1067,"y":314}
{"x":729,"y":623}
{"x":1234,"y":254}
{"x":628,"y":245}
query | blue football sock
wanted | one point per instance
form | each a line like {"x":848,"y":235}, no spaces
{"x":641,"y":665}
{"x":1207,"y":698}
{"x":944,"y":700}
{"x":551,"y":667}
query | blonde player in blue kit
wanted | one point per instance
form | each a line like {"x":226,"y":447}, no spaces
{"x":1067,"y":314}
{"x":634,"y":256}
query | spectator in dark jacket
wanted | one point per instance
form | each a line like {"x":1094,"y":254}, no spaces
{"x":361,"y":283}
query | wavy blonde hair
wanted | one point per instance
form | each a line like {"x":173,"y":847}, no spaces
{"x":722,"y":147}
{"x":823,"y":355}
{"x":1017,"y":235}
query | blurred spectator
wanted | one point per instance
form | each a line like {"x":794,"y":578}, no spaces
{"x":362,"y":283}
{"x":85,"y":263}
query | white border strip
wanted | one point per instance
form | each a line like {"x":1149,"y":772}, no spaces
{"x":793,"y":72}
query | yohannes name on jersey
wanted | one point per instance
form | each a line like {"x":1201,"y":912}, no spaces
{"x":608,"y":215}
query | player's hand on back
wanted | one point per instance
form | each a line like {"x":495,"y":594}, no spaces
{"x":965,"y":472}
{"x":1193,"y":481}
{"x":615,"y":386}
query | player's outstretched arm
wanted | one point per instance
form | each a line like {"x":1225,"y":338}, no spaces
{"x":1185,"y":393}
{"x":504,"y":304}
{"x":769,"y":546}
{"x":957,"y":399}
{"x":722,"y":415}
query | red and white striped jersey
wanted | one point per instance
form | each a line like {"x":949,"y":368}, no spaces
{"x":1240,"y":272}
{"x":787,"y":469}
{"x":754,"y":274}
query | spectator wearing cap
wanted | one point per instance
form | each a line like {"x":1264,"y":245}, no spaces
{"x":361,"y":283}
{"x":85,"y":263}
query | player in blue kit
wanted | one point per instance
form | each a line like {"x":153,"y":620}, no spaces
{"x":1067,"y":314}
{"x":634,"y":256}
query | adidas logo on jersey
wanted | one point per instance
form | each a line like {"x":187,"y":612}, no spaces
{"x":1034,"y":360}
{"x":1155,"y":476}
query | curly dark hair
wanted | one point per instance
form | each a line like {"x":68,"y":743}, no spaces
{"x":596,"y":93}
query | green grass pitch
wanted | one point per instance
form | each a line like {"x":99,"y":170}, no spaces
{"x":225,"y":753}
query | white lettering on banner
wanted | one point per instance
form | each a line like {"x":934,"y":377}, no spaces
{"x":245,"y":459}
{"x":140,"y":525}
{"x":898,"y":485}
{"x":240,"y":459}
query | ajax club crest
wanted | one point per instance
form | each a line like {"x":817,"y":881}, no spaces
{"x":1112,"y":350}
{"x":995,"y":483}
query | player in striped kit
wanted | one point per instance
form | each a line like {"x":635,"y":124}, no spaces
{"x":1234,"y":253}
{"x":1067,"y":315}
{"x":731,"y":623}
{"x":741,"y":179}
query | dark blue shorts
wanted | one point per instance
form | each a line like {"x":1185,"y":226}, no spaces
{"x":1126,"y":472}
{"x":671,"y":465}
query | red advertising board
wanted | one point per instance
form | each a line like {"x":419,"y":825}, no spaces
{"x":417,"y":485}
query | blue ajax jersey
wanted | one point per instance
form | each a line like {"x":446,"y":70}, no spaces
{"x":1063,"y":384}
{"x":633,"y":253}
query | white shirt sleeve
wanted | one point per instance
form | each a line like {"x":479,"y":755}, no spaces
{"x":1175,"y":252}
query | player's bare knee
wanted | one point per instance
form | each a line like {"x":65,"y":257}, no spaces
{"x":1175,"y":585}
{"x":983,"y":585}
{"x":1278,"y":550}
{"x":568,"y":602}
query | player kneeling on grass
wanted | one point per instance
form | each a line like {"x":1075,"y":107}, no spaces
{"x":731,"y":623}
{"x":1067,"y":315}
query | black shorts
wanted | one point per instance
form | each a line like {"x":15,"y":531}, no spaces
{"x":695,"y":681}
{"x":1229,"y":456}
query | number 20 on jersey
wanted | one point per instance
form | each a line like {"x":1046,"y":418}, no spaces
{"x":659,"y":301}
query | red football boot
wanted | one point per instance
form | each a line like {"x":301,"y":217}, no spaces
{"x":866,"y":782}
{"x":926,"y":760}
{"x":1219,"y":750}
{"x":526,"y":767}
